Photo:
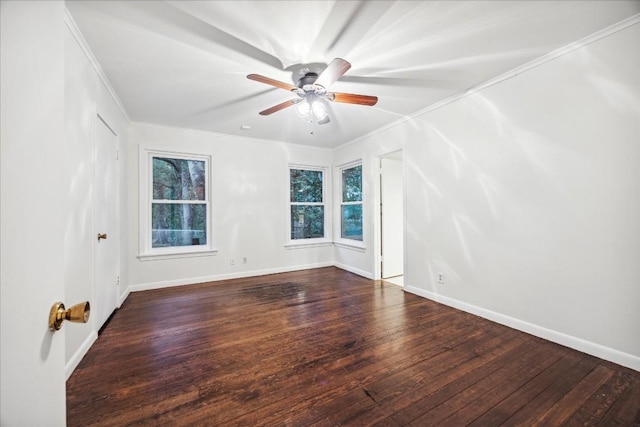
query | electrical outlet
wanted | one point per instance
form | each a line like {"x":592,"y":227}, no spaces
{"x":232,"y":262}
{"x":440,"y":277}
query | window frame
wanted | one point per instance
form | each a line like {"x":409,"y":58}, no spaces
{"x":340,"y":240}
{"x":316,"y":241}
{"x":146,"y":249}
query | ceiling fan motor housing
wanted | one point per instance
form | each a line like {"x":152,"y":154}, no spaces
{"x":307,"y":80}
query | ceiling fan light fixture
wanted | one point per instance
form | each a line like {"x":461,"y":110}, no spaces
{"x":324,"y":120}
{"x":304,"y":111}
{"x":320,"y":111}
{"x":313,"y":108}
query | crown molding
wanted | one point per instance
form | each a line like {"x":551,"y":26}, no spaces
{"x":75,"y":31}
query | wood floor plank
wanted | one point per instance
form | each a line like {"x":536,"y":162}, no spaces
{"x":625,"y":411}
{"x":500,"y":412}
{"x":412,"y":405}
{"x":449,"y":412}
{"x":430,"y":367}
{"x":368,"y":361}
{"x":591,"y":412}
{"x":325,"y":347}
{"x":571,"y":402}
{"x":527,"y":414}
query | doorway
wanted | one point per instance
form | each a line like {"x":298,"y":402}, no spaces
{"x":392,"y":217}
{"x":107,"y":228}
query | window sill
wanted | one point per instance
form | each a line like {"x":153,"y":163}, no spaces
{"x":176,"y":255}
{"x":354,"y":246}
{"x":306,"y":245}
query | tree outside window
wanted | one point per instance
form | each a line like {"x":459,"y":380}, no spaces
{"x":351,"y":206}
{"x":306,"y":203}
{"x":179,"y":203}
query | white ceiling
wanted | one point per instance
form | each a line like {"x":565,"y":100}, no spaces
{"x":184,"y":63}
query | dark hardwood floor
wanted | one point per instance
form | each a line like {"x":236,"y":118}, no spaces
{"x":325,"y":347}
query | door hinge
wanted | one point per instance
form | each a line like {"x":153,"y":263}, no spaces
{"x":117,"y":154}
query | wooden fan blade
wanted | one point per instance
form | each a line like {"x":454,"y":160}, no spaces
{"x":350,"y":98}
{"x":272,"y":82}
{"x":279,"y":107}
{"x":333,"y":72}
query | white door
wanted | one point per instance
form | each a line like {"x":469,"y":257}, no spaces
{"x":33,"y":213}
{"x":391,"y":216}
{"x":107,"y":244}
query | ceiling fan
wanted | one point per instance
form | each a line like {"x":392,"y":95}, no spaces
{"x":312,"y":92}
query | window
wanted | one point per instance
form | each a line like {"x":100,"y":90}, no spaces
{"x":307,"y":203}
{"x":351,"y":205}
{"x":176,"y":216}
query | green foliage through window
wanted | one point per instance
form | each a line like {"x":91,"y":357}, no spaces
{"x":352,"y":222}
{"x":179,"y":205}
{"x":351,"y":206}
{"x":352,"y":184}
{"x":307,"y":222}
{"x":178,"y":179}
{"x":307,"y":208}
{"x":306,"y":186}
{"x":178,"y":224}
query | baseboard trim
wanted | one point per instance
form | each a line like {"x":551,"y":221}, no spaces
{"x":73,"y":363}
{"x":123,"y":297}
{"x":597,"y":350}
{"x":215,"y":278}
{"x":354,"y":270}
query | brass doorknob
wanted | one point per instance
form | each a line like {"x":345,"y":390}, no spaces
{"x":79,"y":313}
{"x":102,"y":236}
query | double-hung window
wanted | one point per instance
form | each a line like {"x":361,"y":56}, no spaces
{"x":306,"y":203}
{"x":176,"y":217}
{"x":351,"y":203}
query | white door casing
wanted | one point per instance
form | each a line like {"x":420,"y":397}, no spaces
{"x":391,"y":221}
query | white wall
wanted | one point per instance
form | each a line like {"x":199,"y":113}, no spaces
{"x":526,"y":195}
{"x":85,"y":97}
{"x":250,"y":195}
